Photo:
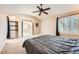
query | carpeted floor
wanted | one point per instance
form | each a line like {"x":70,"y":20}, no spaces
{"x":13,"y":46}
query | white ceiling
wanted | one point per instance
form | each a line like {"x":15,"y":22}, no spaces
{"x":56,"y":9}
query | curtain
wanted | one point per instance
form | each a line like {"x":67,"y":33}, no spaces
{"x":8,"y":28}
{"x":57,"y":32}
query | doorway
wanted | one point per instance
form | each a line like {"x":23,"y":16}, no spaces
{"x":12,"y":32}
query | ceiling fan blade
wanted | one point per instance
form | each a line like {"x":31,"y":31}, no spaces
{"x":46,"y":9}
{"x":45,"y":12}
{"x":35,"y":11}
{"x":40,"y":13}
{"x":41,"y":5}
{"x":38,"y":7}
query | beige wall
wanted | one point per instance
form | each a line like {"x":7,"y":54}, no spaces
{"x":3,"y":31}
{"x":48,"y":26}
{"x":70,"y":35}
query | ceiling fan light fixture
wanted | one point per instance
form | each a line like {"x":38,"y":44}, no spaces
{"x":41,"y":10}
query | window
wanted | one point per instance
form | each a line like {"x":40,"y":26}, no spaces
{"x":27,"y":28}
{"x":69,"y":25}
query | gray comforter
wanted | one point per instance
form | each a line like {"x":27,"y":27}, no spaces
{"x":49,"y":44}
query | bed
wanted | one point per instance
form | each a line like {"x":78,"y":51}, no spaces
{"x":49,"y":44}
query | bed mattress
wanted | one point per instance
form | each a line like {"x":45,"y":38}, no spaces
{"x":48,"y":44}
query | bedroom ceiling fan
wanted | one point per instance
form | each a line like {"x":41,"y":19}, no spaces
{"x":41,"y":10}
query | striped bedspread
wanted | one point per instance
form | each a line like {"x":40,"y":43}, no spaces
{"x":48,"y":44}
